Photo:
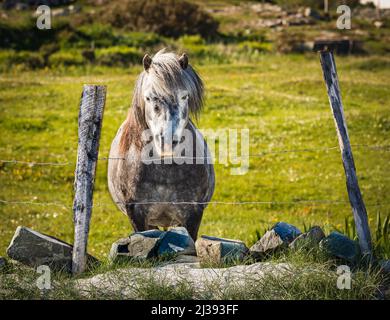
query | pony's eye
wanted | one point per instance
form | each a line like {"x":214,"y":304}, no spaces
{"x":147,"y":99}
{"x":184,"y":97}
{"x":156,"y":109}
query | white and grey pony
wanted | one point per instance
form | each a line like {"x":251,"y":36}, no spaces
{"x":162,"y":193}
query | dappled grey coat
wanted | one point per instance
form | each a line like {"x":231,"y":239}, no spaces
{"x":160,"y":195}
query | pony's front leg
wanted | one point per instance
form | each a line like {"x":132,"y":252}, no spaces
{"x":192,"y":223}
{"x":137,"y":217}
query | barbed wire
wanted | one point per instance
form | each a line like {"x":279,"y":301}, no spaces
{"x":250,"y":202}
{"x":33,"y":163}
{"x":262,"y":154}
{"x":100,"y":204}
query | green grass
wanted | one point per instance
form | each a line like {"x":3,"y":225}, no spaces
{"x":281,"y":99}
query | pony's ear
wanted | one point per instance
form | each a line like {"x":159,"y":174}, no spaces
{"x":146,"y":61}
{"x":183,"y":60}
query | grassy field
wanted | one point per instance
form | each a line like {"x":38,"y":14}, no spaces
{"x":281,"y":99}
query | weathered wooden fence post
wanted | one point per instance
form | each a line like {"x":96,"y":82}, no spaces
{"x":355,"y":198}
{"x":90,"y":123}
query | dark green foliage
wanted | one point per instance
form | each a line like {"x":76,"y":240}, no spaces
{"x":27,"y":36}
{"x":95,"y":35}
{"x":118,"y":56}
{"x":380,"y":234}
{"x":139,"y":39}
{"x":26,"y":59}
{"x":66,"y":58}
{"x":166,"y":17}
{"x":103,"y":36}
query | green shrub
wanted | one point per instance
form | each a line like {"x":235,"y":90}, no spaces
{"x":191,"y":40}
{"x":255,"y":46}
{"x":87,"y":36}
{"x":171,"y":18}
{"x":26,"y":36}
{"x":118,"y":56}
{"x":139,"y":39}
{"x":203,"y":53}
{"x":291,"y":42}
{"x":66,"y":58}
{"x":377,"y":47}
{"x":25,"y":59}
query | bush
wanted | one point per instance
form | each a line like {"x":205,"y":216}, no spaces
{"x":191,"y":40}
{"x":373,"y":64}
{"x":171,"y":18}
{"x":139,"y":39}
{"x":377,"y":47}
{"x":118,"y":56}
{"x":26,"y":36}
{"x":28,"y":60}
{"x":291,"y":42}
{"x":66,"y":58}
{"x":255,"y":46}
{"x":197,"y":48}
{"x":103,"y":36}
{"x":95,"y":35}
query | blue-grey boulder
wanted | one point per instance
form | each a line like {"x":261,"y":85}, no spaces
{"x":287,"y":232}
{"x":176,"y":241}
{"x":309,"y":238}
{"x":340,"y":246}
{"x":139,"y":245}
{"x":152,"y":244}
{"x":3,"y":263}
{"x":384,"y":266}
{"x":278,"y":237}
{"x":34,"y":249}
{"x":219,"y":250}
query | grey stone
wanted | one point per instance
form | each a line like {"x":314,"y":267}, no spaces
{"x":139,"y":245}
{"x":3,"y":263}
{"x":287,"y":232}
{"x":34,"y":249}
{"x":310,"y":12}
{"x":153,"y":243}
{"x":340,"y":246}
{"x":278,"y":237}
{"x":176,"y":241}
{"x":269,"y":242}
{"x":385,"y":266}
{"x":313,"y":236}
{"x":218,"y":250}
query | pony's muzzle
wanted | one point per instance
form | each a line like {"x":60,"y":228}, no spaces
{"x":166,"y":146}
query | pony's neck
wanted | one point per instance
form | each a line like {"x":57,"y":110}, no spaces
{"x":131,"y":134}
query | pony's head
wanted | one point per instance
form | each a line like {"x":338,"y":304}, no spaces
{"x":166,"y":93}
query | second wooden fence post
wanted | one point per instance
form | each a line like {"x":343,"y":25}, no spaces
{"x":90,"y":123}
{"x":355,"y":197}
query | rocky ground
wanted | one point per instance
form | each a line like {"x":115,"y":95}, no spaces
{"x":127,"y":283}
{"x":211,"y":267}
